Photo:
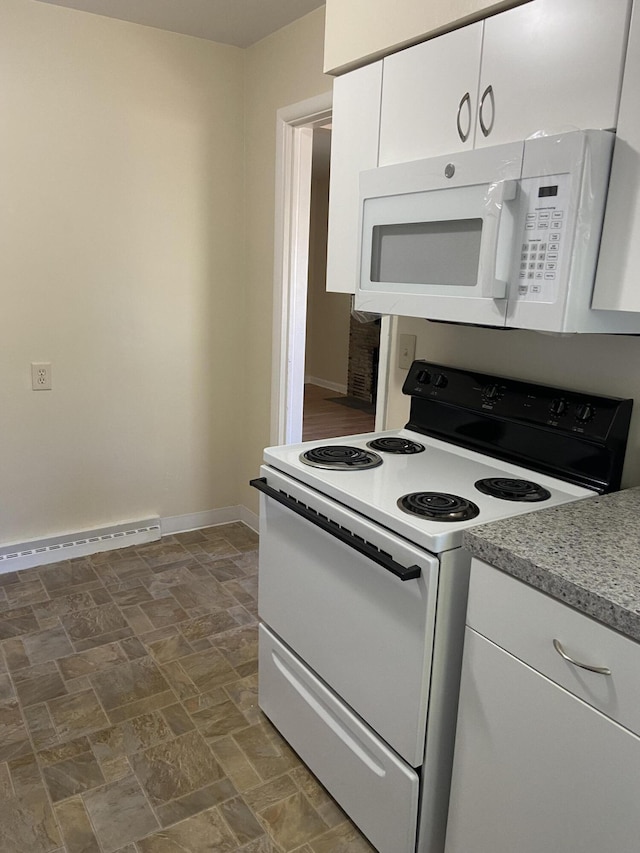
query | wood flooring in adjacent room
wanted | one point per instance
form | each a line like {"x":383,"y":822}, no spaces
{"x":129,"y":720}
{"x":323,"y":418}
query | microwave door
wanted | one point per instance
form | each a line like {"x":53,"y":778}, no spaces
{"x":436,"y":235}
{"x":443,"y":254}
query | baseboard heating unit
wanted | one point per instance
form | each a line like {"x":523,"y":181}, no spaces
{"x":68,"y":547}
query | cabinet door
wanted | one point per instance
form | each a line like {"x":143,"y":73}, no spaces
{"x":429,"y":96}
{"x":616,"y":285}
{"x":354,"y":148}
{"x":535,"y":768}
{"x":551,"y":65}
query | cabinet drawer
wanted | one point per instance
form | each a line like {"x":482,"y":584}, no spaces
{"x":525,"y":622}
{"x":372,"y":784}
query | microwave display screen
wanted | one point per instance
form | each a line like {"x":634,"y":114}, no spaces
{"x":445,"y":252}
{"x":546,"y":192}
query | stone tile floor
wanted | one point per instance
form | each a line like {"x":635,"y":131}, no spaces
{"x":128,"y":710}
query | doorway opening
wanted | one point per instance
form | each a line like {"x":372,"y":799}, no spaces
{"x":339,"y":387}
{"x":312,"y":328}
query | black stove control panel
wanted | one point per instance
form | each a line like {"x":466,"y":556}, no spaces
{"x":551,"y":429}
{"x":528,"y":402}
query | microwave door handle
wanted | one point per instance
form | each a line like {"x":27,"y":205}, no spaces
{"x":491,"y":286}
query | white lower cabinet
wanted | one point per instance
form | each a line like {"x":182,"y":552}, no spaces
{"x":536,"y":768}
{"x":373,"y":785}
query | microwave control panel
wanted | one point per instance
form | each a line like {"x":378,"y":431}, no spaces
{"x":545,"y":202}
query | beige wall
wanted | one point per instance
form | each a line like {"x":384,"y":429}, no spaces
{"x":328,"y":314}
{"x":282,"y":69}
{"x":358,"y":31}
{"x":600,"y":364}
{"x":121,"y":262}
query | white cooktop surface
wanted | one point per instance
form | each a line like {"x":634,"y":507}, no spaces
{"x":441,"y":467}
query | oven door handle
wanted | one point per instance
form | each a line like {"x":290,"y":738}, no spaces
{"x":333,"y":529}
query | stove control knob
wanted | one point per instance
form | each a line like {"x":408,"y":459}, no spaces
{"x":424,"y":377}
{"x":441,"y":381}
{"x":491,"y":393}
{"x":584,"y":413}
{"x":558,"y":407}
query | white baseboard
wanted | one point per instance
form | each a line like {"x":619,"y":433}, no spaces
{"x":211,"y":518}
{"x":325,"y":383}
{"x":251,"y":519}
{"x":55,"y":549}
{"x":197,"y":520}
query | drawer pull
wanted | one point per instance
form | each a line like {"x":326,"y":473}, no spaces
{"x":601,"y":670}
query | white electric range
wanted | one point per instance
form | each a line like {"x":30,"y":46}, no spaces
{"x":363,"y":580}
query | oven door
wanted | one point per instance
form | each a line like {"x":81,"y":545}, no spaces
{"x":437,"y":236}
{"x":331,"y":588}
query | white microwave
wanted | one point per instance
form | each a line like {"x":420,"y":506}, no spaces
{"x":506,"y":236}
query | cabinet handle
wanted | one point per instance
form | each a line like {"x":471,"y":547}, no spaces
{"x":466,"y":98}
{"x":488,"y":93}
{"x":601,"y":670}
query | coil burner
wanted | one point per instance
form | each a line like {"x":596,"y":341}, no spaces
{"x":512,"y":490}
{"x":394,"y":444}
{"x":340,"y":457}
{"x":438,"y":506}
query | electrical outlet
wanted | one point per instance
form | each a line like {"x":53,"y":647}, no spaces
{"x":406,"y":351}
{"x":41,"y":376}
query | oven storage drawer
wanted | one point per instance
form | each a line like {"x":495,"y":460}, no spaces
{"x":364,"y":631}
{"x":373,"y":785}
{"x":497,"y":602}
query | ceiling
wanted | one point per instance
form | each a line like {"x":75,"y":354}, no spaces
{"x":237,"y":22}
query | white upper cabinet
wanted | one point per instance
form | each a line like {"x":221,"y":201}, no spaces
{"x":549,"y":65}
{"x":616,"y":285}
{"x":354,"y":148}
{"x":435,"y":113}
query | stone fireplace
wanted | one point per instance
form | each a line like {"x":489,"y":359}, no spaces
{"x":364,"y":350}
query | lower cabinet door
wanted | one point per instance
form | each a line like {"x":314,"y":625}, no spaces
{"x":537,"y":769}
{"x":372,"y":784}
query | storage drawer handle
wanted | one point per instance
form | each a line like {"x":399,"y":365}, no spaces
{"x":333,"y":529}
{"x":601,"y":670}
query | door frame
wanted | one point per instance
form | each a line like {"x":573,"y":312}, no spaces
{"x":294,"y":144}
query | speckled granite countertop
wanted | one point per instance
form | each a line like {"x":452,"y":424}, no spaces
{"x":586,"y":554}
